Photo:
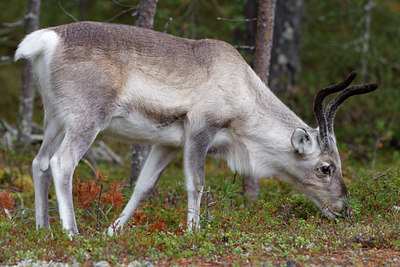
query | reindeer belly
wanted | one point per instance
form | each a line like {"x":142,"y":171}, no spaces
{"x":136,"y":129}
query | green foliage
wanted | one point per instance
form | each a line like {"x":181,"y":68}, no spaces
{"x":376,"y":193}
{"x":279,"y":227}
{"x":334,"y":44}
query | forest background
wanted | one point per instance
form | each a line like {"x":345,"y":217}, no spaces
{"x":334,"y":38}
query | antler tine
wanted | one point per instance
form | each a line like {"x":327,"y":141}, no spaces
{"x":334,"y":105}
{"x":318,"y":110}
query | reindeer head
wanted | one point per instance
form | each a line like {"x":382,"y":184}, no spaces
{"x":317,"y":154}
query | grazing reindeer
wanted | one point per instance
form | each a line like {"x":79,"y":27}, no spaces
{"x":144,"y":86}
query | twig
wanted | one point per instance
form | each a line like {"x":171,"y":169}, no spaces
{"x":8,"y":127}
{"x":211,"y":204}
{"x":65,"y":11}
{"x":14,"y":132}
{"x":123,"y":12}
{"x":13,"y":24}
{"x":98,"y":207}
{"x":207,"y":209}
{"x":7,"y":212}
{"x":249,"y":47}
{"x":21,"y":214}
{"x":88,"y":212}
{"x":119,"y":4}
{"x":382,"y":174}
{"x":105,"y":214}
{"x":93,"y":169}
{"x":236,"y":20}
{"x":167,"y":24}
{"x":234,"y":182}
{"x":111,"y":153}
{"x":223,"y":197}
{"x":208,"y":217}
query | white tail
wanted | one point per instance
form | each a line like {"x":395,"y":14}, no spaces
{"x":41,"y":42}
{"x":144,"y":86}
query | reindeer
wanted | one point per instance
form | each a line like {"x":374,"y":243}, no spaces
{"x":144,"y":86}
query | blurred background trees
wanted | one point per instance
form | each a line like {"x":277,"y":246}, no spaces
{"x":316,"y":43}
{"x":31,"y":22}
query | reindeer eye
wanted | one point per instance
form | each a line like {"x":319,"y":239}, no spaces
{"x":326,"y":169}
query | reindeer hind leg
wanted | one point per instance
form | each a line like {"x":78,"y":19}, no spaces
{"x":41,"y":170}
{"x":76,"y":142}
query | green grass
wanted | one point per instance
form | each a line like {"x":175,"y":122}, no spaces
{"x":279,"y":227}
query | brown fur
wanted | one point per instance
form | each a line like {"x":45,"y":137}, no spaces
{"x":108,"y":53}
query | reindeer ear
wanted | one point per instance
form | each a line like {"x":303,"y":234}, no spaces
{"x":302,"y":141}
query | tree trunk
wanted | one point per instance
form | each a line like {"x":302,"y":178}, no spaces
{"x":28,"y":84}
{"x":264,"y":35}
{"x":139,"y":156}
{"x":285,"y":57}
{"x":146,"y":13}
{"x":263,"y":43}
{"x":82,"y":10}
{"x":145,"y":19}
{"x":366,"y":39}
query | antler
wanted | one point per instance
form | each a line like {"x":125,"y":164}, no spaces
{"x":333,"y":106}
{"x":318,"y":110}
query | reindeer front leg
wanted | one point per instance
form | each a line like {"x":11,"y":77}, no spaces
{"x":158,"y":159}
{"x":196,"y":146}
